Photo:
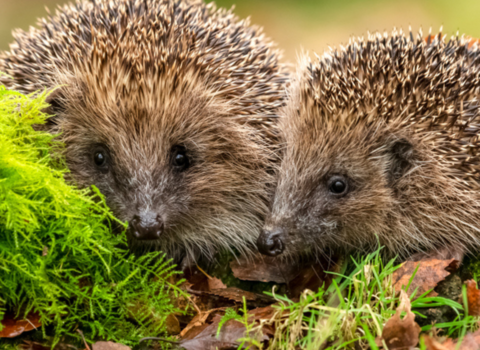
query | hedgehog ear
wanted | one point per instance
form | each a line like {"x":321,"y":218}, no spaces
{"x":401,"y":152}
{"x":54,"y":110}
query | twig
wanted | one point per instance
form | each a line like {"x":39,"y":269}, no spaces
{"x":81,"y":333}
{"x":202,"y":271}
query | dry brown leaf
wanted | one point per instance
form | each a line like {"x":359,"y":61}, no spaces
{"x":470,"y":342}
{"x":473,"y":298}
{"x":207,"y":340}
{"x":228,"y":338}
{"x":263,"y":313}
{"x":172,"y":324}
{"x":401,"y":333}
{"x":237,"y":295}
{"x":198,"y":321}
{"x":263,"y":268}
{"x":216,"y":283}
{"x":32,"y":345}
{"x":299,"y":276}
{"x":108,"y":345}
{"x":429,"y":274}
{"x":197,"y":280}
{"x":313,"y":276}
{"x":432,"y":344}
{"x":13,"y":328}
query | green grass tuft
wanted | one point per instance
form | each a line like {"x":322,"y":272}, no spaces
{"x":58,"y":256}
{"x":352,"y":312}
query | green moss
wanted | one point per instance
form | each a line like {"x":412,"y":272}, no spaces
{"x":58,"y":256}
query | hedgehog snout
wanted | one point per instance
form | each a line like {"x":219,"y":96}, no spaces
{"x":270,"y":242}
{"x":146,"y":230}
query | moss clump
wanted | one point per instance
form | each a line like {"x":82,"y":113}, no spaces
{"x":58,"y":257}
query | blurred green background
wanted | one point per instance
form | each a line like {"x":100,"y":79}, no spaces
{"x":298,"y":25}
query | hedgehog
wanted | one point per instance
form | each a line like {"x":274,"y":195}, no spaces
{"x":380,"y":144}
{"x":168,"y":107}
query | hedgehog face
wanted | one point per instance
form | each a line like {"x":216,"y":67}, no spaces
{"x":174,"y":163}
{"x":329,"y":189}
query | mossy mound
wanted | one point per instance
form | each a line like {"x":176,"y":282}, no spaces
{"x":58,"y":256}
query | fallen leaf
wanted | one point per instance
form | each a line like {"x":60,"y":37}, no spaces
{"x":198,"y":321}
{"x":215,"y":283}
{"x":172,"y":324}
{"x":298,"y":276}
{"x":401,"y":333}
{"x":445,"y":253}
{"x":264,"y":268}
{"x":108,"y":345}
{"x":228,"y":338}
{"x":263,"y":313}
{"x":473,"y":298}
{"x":197,"y":279}
{"x":12,"y":327}
{"x":32,"y":345}
{"x":432,"y":344}
{"x":429,"y":274}
{"x":313,"y":276}
{"x":470,"y":342}
{"x":193,"y":331}
{"x":237,"y":295}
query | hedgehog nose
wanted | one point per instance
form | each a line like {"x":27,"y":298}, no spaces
{"x":146,"y":231}
{"x":270,"y":242}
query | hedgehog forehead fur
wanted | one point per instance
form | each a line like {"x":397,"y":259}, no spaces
{"x":398,"y":119}
{"x":137,"y":78}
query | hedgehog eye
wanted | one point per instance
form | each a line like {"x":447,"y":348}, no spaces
{"x":338,"y":186}
{"x":100,"y":158}
{"x":180,"y":160}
